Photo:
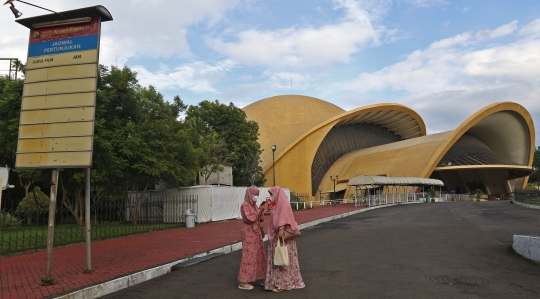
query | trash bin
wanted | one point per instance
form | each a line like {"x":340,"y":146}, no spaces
{"x":427,"y":198}
{"x":190,"y":218}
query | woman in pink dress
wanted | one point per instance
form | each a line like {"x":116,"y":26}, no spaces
{"x":279,"y":278}
{"x":253,"y":264}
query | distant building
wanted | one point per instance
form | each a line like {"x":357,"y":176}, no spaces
{"x":492,"y":150}
{"x":221,"y":178}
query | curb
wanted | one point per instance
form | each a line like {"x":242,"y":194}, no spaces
{"x":528,"y":247}
{"x":118,"y":284}
{"x":525,"y":205}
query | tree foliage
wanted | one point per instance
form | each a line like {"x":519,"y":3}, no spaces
{"x":35,"y":201}
{"x":536,"y":163}
{"x":239,"y":134}
{"x":140,"y":139}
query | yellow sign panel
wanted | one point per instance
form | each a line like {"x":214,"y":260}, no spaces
{"x":59,"y":101}
{"x":57,"y":115}
{"x":56,"y":126}
{"x":56,"y":130}
{"x":61,"y":72}
{"x":90,"y":56}
{"x":55,"y":144}
{"x":59,"y":87}
{"x":56,"y":160}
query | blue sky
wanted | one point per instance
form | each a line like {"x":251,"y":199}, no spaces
{"x":445,"y":59}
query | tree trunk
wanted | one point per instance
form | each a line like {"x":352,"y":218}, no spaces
{"x":134,"y":212}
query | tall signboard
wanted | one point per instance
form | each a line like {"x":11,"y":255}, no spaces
{"x":58,"y":107}
{"x":56,"y":128}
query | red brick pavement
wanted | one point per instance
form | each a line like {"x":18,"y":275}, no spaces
{"x":20,"y":276}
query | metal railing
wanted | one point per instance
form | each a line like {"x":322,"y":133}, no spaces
{"x":531,"y":197}
{"x":298,"y":201}
{"x":400,"y":198}
{"x":110,"y":217}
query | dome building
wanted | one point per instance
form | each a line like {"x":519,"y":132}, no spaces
{"x":492,"y":150}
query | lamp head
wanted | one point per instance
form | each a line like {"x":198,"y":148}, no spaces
{"x":15,"y":12}
{"x":330,"y":177}
{"x":274,"y":148}
{"x":336,"y":177}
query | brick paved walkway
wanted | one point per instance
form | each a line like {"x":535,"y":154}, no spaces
{"x":20,"y":276}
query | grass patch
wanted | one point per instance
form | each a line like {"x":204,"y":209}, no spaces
{"x":25,"y":238}
{"x":532,"y":201}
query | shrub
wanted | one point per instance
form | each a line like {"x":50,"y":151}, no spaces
{"x":478,"y":193}
{"x":8,"y":221}
{"x":35,"y":201}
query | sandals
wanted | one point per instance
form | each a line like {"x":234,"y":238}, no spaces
{"x":263,"y":283}
{"x":276,"y":290}
{"x":246,"y":287}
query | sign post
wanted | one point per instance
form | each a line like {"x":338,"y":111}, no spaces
{"x":56,"y":128}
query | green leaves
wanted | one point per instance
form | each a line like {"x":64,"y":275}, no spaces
{"x":239,"y":135}
{"x":35,"y":201}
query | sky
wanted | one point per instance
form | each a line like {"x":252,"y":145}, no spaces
{"x":444,"y":59}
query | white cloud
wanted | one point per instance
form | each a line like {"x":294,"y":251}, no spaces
{"x":426,"y":3}
{"x":498,"y":32}
{"x":455,"y":63}
{"x":196,"y":77}
{"x":467,"y":8}
{"x":308,"y":46}
{"x":154,"y":28}
{"x":454,"y":77}
{"x":531,"y":30}
{"x":288,"y":81}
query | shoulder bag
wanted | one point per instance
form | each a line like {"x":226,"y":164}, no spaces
{"x":290,"y":233}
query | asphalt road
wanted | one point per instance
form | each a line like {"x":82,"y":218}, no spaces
{"x":437,"y":250}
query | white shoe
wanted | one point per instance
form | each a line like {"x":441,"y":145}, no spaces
{"x":246,"y":287}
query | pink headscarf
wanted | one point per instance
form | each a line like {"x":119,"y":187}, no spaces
{"x":250,"y":192}
{"x":282,"y":214}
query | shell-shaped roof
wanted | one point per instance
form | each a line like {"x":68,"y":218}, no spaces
{"x":506,"y":128}
{"x":283,"y":119}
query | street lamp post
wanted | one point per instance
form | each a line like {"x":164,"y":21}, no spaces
{"x":273,"y":168}
{"x":334,"y":180}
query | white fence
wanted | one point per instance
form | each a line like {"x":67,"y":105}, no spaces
{"x":212,"y":203}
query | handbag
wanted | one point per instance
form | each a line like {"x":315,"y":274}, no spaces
{"x":290,"y":233}
{"x":281,"y":255}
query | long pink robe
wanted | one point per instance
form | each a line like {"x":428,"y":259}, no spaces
{"x":285,"y":278}
{"x":253,"y":264}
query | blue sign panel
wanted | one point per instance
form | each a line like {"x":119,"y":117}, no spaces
{"x":72,"y":44}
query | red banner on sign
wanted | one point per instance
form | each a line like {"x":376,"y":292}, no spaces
{"x":60,"y":32}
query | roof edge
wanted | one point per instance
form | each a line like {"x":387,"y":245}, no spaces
{"x":92,"y":11}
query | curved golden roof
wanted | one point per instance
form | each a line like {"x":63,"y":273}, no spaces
{"x":507,"y":128}
{"x":283,"y":119}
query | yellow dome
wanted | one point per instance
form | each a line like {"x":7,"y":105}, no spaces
{"x":283,"y":119}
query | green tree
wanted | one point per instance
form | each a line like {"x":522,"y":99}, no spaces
{"x":18,"y":66}
{"x":10,"y":110}
{"x":239,"y":134}
{"x":533,"y":179}
{"x":35,"y":202}
{"x":157,"y":148}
